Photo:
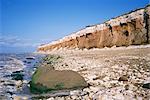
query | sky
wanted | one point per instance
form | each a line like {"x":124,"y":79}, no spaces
{"x":25,"y":24}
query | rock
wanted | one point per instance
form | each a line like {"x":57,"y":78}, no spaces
{"x":126,"y":87}
{"x":74,"y":97}
{"x":123,"y":78}
{"x":75,"y":92}
{"x":17,"y":76}
{"x":132,"y":87}
{"x":16,"y":98}
{"x":9,"y":92}
{"x":146,"y":85}
{"x":17,"y":72}
{"x":87,"y":90}
{"x":106,"y":78}
{"x":30,"y":58}
{"x":18,"y":83}
{"x":45,"y":80}
{"x":25,"y":61}
{"x":29,"y":62}
{"x":10,"y":84}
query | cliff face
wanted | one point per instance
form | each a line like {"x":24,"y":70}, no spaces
{"x":129,"y":29}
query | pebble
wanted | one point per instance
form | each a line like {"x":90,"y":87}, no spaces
{"x":74,"y":97}
{"x":75,"y":92}
{"x":94,"y":89}
{"x":123,"y":78}
{"x":106,"y":78}
{"x":18,"y":83}
{"x":17,"y":98}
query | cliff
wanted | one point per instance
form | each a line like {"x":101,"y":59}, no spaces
{"x":132,"y":28}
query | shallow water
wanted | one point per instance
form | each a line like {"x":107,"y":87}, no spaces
{"x":9,"y":63}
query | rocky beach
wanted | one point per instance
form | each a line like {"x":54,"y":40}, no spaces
{"x":118,"y":73}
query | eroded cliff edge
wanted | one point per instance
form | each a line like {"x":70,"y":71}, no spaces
{"x":132,"y":28}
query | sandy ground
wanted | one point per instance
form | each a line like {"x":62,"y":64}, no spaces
{"x":102,"y":69}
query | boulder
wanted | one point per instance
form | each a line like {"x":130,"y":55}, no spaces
{"x":45,"y":80}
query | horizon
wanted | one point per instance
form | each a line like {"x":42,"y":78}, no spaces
{"x":26,"y":24}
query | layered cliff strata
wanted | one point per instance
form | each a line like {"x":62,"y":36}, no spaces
{"x":129,"y":29}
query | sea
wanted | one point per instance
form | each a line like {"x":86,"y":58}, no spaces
{"x":11,"y":65}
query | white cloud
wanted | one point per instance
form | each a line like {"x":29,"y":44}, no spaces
{"x":14,"y":41}
{"x":7,"y":40}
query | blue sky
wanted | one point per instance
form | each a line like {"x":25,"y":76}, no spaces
{"x":25,"y":24}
